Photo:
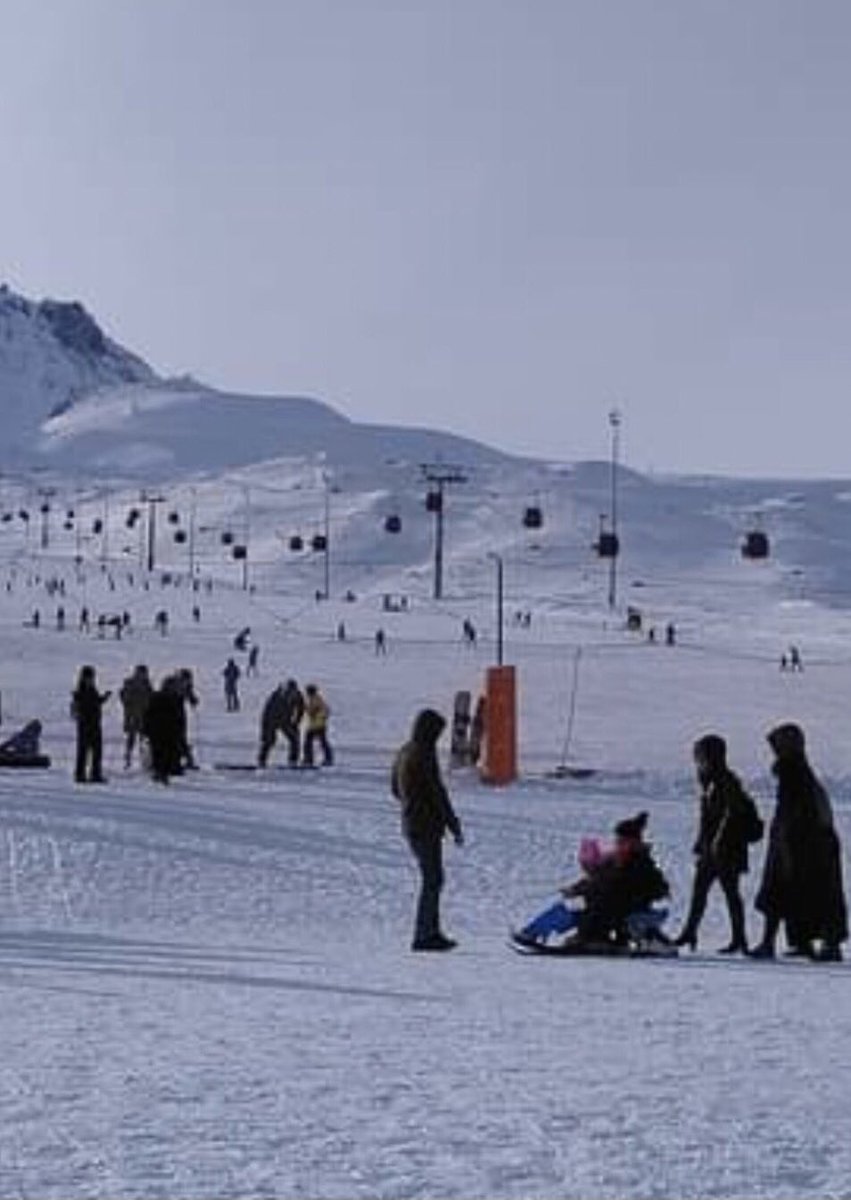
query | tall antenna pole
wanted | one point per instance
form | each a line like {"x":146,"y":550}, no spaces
{"x":326,"y":588}
{"x":439,"y":475}
{"x":615,"y":425}
{"x":46,"y":494}
{"x":192,"y":521}
{"x":152,"y":500}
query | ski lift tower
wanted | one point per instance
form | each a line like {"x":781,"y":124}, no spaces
{"x":438,"y":476}
{"x":152,"y":499}
{"x":615,"y":426}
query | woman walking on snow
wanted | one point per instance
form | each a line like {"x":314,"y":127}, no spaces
{"x":802,"y":876}
{"x":728,"y":823}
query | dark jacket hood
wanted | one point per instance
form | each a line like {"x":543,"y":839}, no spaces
{"x":428,"y":727}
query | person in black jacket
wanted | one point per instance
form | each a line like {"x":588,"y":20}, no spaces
{"x":427,"y":815}
{"x":164,"y":728}
{"x":802,"y":876}
{"x":628,"y":881}
{"x":283,"y":711}
{"x":727,"y":822}
{"x":86,"y":705}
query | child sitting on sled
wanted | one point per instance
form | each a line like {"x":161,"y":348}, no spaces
{"x":618,"y":886}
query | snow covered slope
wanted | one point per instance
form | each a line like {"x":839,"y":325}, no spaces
{"x":51,"y":355}
{"x":73,"y":400}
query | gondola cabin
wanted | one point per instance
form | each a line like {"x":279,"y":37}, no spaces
{"x":240,"y":553}
{"x":227,"y":538}
{"x":533,"y":518}
{"x":607,"y":545}
{"x":393,"y":524}
{"x":296,"y":544}
{"x":434,"y":502}
{"x":756,"y":545}
{"x":180,"y":536}
{"x":319,"y":543}
{"x":174,"y":518}
{"x":97,"y":526}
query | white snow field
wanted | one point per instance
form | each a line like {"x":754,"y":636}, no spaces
{"x":208,"y":989}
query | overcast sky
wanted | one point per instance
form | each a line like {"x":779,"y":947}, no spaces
{"x":493,"y":216}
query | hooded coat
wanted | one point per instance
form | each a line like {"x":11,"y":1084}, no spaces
{"x":802,"y":876}
{"x":135,"y":696}
{"x":427,"y":811}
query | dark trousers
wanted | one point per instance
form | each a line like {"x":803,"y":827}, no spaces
{"x":320,"y":736}
{"x":706,"y":873}
{"x":89,"y":755}
{"x":267,"y":741}
{"x":429,"y":855}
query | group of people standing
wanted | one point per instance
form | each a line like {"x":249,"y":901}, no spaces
{"x":156,"y":716}
{"x":286,"y":711}
{"x":801,"y":887}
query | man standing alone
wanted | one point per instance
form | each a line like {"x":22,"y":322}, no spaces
{"x":427,"y":814}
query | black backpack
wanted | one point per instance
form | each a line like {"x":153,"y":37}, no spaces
{"x":753,"y":825}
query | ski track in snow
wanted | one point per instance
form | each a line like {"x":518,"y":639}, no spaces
{"x":208,"y":991}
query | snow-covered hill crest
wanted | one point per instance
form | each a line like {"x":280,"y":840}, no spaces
{"x":74,"y":400}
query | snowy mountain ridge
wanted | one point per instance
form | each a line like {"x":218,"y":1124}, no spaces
{"x":74,"y":400}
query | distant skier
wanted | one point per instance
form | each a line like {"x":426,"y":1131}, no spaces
{"x":282,"y":712}
{"x":670,"y":634}
{"x":380,"y":643}
{"x":240,"y":642}
{"x":253,"y":660}
{"x":427,"y":815}
{"x":802,"y":874}
{"x":135,"y":696}
{"x":231,"y":675}
{"x":316,"y":714}
{"x":86,"y":708}
{"x":729,"y":822}
{"x":60,"y":619}
{"x":795,"y":661}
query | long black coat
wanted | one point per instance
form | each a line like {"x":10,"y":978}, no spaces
{"x":802,"y":876}
{"x":722,"y":835}
{"x":164,"y":727}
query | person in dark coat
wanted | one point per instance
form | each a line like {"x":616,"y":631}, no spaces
{"x":135,"y":696}
{"x":728,"y":819}
{"x":282,"y":712}
{"x":163,"y":727}
{"x":627,"y":882}
{"x":802,"y":877}
{"x":86,"y":707}
{"x":182,"y":686}
{"x":231,"y":675}
{"x":427,"y":815}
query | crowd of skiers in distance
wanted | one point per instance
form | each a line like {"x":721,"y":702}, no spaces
{"x":158,"y":720}
{"x":614,"y":906}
